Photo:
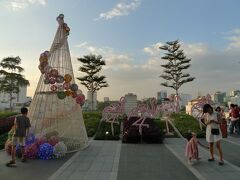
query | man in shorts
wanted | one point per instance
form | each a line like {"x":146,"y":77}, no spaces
{"x":21,"y":129}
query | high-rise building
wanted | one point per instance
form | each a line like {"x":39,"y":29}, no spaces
{"x":234,"y":93}
{"x":106,"y":99}
{"x":184,"y":99}
{"x":218,"y":97}
{"x":130,"y":102}
{"x":161,"y":95}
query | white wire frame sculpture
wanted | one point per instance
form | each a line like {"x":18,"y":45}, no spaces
{"x":50,"y":113}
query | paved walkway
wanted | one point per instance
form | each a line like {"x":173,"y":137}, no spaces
{"x":112,"y":160}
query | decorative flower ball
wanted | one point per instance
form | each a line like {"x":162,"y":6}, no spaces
{"x":61,"y":94}
{"x":74,"y":94}
{"x":67,"y":78}
{"x":60,"y":79}
{"x":52,"y":80}
{"x":47,"y":68}
{"x":80,"y":99}
{"x":53,"y":88}
{"x":45,"y":151}
{"x":46,"y":81}
{"x":68,"y":93}
{"x":60,"y":149}
{"x":54,"y":72}
{"x":30,"y":139}
{"x":74,"y":87}
{"x":66,"y":85}
{"x":31,"y":151}
{"x":41,"y":140}
{"x":53,"y":140}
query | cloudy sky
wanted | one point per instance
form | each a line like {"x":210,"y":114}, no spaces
{"x":127,"y":33}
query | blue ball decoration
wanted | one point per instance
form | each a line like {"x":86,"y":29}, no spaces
{"x":45,"y":151}
{"x":30,"y":139}
{"x":74,"y":87}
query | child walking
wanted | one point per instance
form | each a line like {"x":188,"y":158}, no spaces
{"x":191,"y":150}
{"x":21,"y":129}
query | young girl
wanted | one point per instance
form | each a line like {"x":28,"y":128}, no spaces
{"x":191,"y":151}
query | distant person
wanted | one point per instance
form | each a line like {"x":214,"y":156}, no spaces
{"x":223,"y":122}
{"x":191,"y":150}
{"x":213,"y":133}
{"x":234,"y":119}
{"x":21,"y":129}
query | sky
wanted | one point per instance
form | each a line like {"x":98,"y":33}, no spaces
{"x":128,"y":33}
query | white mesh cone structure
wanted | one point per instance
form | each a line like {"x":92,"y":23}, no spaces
{"x":55,"y":108}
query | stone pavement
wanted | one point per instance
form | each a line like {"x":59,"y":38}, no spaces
{"x":112,"y":160}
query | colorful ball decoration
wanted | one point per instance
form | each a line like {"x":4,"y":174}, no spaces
{"x":30,"y":139}
{"x":54,"y":72}
{"x":80,"y":99}
{"x":46,"y":81}
{"x":66,"y":85}
{"x":60,"y":79}
{"x":45,"y":151}
{"x":53,"y":140}
{"x":67,"y":78}
{"x":61,"y":94}
{"x":47,"y":68}
{"x":74,"y":87}
{"x":53,"y":88}
{"x":68,"y":93}
{"x":52,"y":80}
{"x":74,"y":94}
{"x":40,"y":140}
{"x":60,"y":150}
{"x":31,"y":151}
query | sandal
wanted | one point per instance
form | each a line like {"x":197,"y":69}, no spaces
{"x":11,"y":163}
{"x":210,"y":160}
{"x":24,"y":160}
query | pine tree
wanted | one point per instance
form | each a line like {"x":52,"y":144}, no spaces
{"x":177,"y":62}
{"x":11,"y":78}
{"x":92,"y":65}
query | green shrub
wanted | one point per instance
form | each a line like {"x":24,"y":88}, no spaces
{"x":3,"y":139}
{"x":185,"y":123}
{"x":105,"y":133}
{"x":5,"y":114}
{"x":91,"y":120}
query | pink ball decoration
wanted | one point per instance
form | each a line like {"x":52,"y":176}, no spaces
{"x":54,"y":72}
{"x":53,"y":140}
{"x":31,"y":151}
{"x":40,"y":140}
{"x":52,"y":80}
{"x":66,"y":85}
{"x":80,"y":99}
{"x":53,"y":88}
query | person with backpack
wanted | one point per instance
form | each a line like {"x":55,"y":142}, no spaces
{"x":234,"y":119}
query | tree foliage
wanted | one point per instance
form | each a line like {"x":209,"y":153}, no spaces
{"x":174,"y":68}
{"x":91,"y":66}
{"x":11,"y":78}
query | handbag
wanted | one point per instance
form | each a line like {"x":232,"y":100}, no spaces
{"x":215,"y":131}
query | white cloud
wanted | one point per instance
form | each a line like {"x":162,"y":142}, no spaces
{"x":153,"y":49}
{"x":16,"y":5}
{"x":121,"y":9}
{"x":234,"y":38}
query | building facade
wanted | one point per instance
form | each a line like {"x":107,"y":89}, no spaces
{"x":130,"y":102}
{"x":91,"y":101}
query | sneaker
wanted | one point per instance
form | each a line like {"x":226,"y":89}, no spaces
{"x":210,"y":160}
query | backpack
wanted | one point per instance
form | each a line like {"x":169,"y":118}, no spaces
{"x":235,"y":113}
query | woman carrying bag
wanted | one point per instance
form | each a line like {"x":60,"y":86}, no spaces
{"x":213,"y":132}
